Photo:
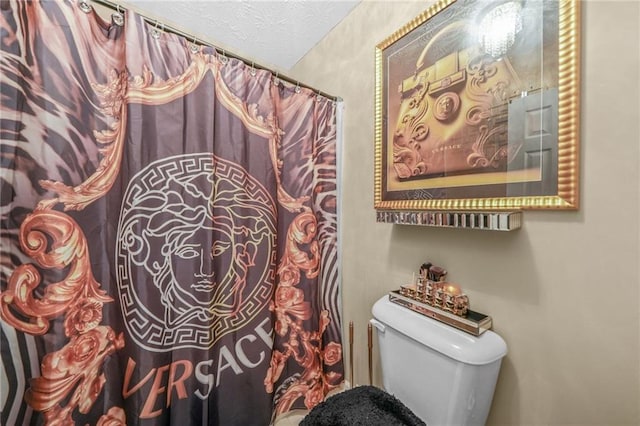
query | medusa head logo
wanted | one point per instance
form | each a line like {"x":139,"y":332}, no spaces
{"x":195,"y":251}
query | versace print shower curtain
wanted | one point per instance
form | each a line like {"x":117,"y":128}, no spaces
{"x":169,"y":229}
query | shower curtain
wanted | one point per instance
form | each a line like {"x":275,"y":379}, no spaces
{"x":169,"y":228}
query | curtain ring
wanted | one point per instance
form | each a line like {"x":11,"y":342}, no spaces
{"x":223,"y":58}
{"x":155,"y":33}
{"x":194,"y":45}
{"x":253,"y":70}
{"x":85,"y":6}
{"x":276,"y":80}
{"x":297,"y":89}
{"x":318,"y":96}
{"x":117,"y":17}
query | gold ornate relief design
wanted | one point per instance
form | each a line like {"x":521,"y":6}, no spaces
{"x":112,"y":96}
{"x":444,"y":121}
{"x":71,"y":377}
{"x":147,"y":89}
{"x":78,"y":294}
{"x":291,"y":310}
{"x":114,"y":417}
{"x":302,"y":232}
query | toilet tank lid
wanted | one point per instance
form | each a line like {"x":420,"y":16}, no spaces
{"x":456,"y":344}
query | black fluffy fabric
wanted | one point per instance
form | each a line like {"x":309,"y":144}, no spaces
{"x":363,"y":405}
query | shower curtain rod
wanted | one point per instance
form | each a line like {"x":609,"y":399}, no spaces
{"x":168,"y":28}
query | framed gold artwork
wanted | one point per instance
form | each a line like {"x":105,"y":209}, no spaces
{"x":477,"y":108}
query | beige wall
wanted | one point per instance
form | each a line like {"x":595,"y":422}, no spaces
{"x":563,"y":290}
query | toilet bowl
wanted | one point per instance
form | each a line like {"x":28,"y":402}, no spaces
{"x":444,"y":375}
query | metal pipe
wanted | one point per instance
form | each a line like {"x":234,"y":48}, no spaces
{"x":351,"y":352}
{"x":370,"y":341}
{"x":198,"y":40}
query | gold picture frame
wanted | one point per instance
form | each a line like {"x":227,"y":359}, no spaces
{"x":471,"y":118}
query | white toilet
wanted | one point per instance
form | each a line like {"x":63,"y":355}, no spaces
{"x":445,"y":376}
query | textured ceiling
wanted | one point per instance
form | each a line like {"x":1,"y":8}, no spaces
{"x":274,"y":34}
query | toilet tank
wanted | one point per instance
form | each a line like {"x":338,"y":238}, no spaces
{"x":444,"y":375}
